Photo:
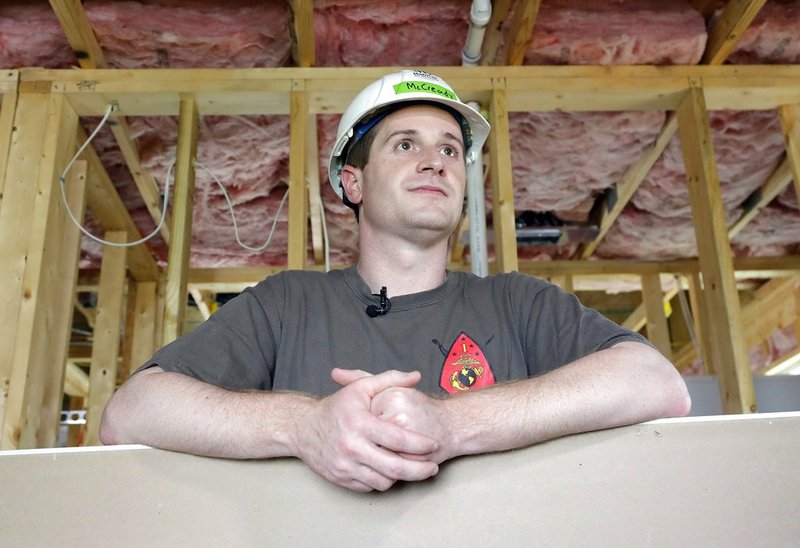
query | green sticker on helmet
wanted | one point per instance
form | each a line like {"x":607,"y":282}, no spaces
{"x":424,"y":87}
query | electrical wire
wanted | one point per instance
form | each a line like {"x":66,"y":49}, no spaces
{"x":325,"y":241}
{"x":687,"y":317}
{"x":62,"y":181}
{"x":233,"y":216}
{"x":109,"y":110}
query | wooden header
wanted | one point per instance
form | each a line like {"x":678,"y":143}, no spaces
{"x":8,"y":81}
{"x":143,"y":92}
{"x":697,"y":482}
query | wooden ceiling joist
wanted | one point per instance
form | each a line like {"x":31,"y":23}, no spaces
{"x":494,"y":31}
{"x":79,"y":33}
{"x":303,"y":48}
{"x":790,"y":121}
{"x":762,"y":196}
{"x":725,"y":31}
{"x":521,"y":30}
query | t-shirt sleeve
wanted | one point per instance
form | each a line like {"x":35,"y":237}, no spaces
{"x":235,"y":348}
{"x":560,"y":330}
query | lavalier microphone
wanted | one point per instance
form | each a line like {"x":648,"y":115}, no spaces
{"x":384,"y":305}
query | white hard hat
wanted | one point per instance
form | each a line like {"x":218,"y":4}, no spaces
{"x":402,"y":87}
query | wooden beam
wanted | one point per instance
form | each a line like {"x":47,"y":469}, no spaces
{"x":143,"y":338}
{"x":494,"y":31}
{"x":657,"y":328}
{"x":700,"y":321}
{"x":145,"y":92}
{"x":178,"y":259}
{"x":762,"y":196}
{"x":773,"y":306}
{"x":566,"y":282}
{"x":623,"y":191}
{"x":106,"y":345}
{"x":457,"y":244}
{"x":76,"y":381}
{"x":303,"y":50}
{"x":38,"y":149}
{"x":87,"y":313}
{"x":727,"y":29}
{"x":8,"y":108}
{"x":638,"y":318}
{"x":36,"y":274}
{"x":202,"y":299}
{"x":503,"y":214}
{"x":725,"y":322}
{"x":790,"y":122}
{"x":298,"y":191}
{"x":519,"y":35}
{"x":79,"y":33}
{"x":58,"y":294}
{"x":315,"y":206}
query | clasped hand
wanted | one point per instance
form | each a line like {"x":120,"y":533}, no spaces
{"x":374,"y":431}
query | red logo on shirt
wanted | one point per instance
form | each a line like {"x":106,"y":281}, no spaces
{"x":465,"y":367}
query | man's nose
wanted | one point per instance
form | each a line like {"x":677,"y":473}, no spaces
{"x":431,"y":160}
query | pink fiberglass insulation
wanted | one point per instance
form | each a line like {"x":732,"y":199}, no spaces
{"x":363,"y":33}
{"x":562,"y":160}
{"x":30,"y":36}
{"x":185,"y":33}
{"x":772,"y":36}
{"x":748,"y":145}
{"x":616,"y":32}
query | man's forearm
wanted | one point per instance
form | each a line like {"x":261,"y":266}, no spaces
{"x":176,"y":412}
{"x":337,"y":436}
{"x":626,"y":384}
{"x":623,"y":385}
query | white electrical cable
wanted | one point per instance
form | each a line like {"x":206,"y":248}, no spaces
{"x":687,"y":317}
{"x":325,"y":242}
{"x":171,"y":165}
{"x":71,"y":215}
{"x":233,"y":216}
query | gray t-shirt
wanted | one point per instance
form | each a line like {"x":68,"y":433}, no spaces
{"x":290,"y":330}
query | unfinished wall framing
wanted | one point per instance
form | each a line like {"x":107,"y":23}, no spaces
{"x":39,"y":129}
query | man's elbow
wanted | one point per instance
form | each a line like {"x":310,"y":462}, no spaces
{"x":680,"y":401}
{"x":677,"y":402}
{"x":109,"y":430}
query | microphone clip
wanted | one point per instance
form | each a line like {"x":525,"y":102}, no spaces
{"x":384,"y":305}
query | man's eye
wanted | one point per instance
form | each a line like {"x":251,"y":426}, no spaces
{"x":404,"y":145}
{"x":450,"y":151}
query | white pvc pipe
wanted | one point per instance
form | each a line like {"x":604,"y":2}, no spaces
{"x":479,"y":16}
{"x":476,"y":211}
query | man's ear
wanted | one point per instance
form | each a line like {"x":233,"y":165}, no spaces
{"x":352,"y":179}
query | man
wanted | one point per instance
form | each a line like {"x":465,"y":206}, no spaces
{"x":382,"y":371}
